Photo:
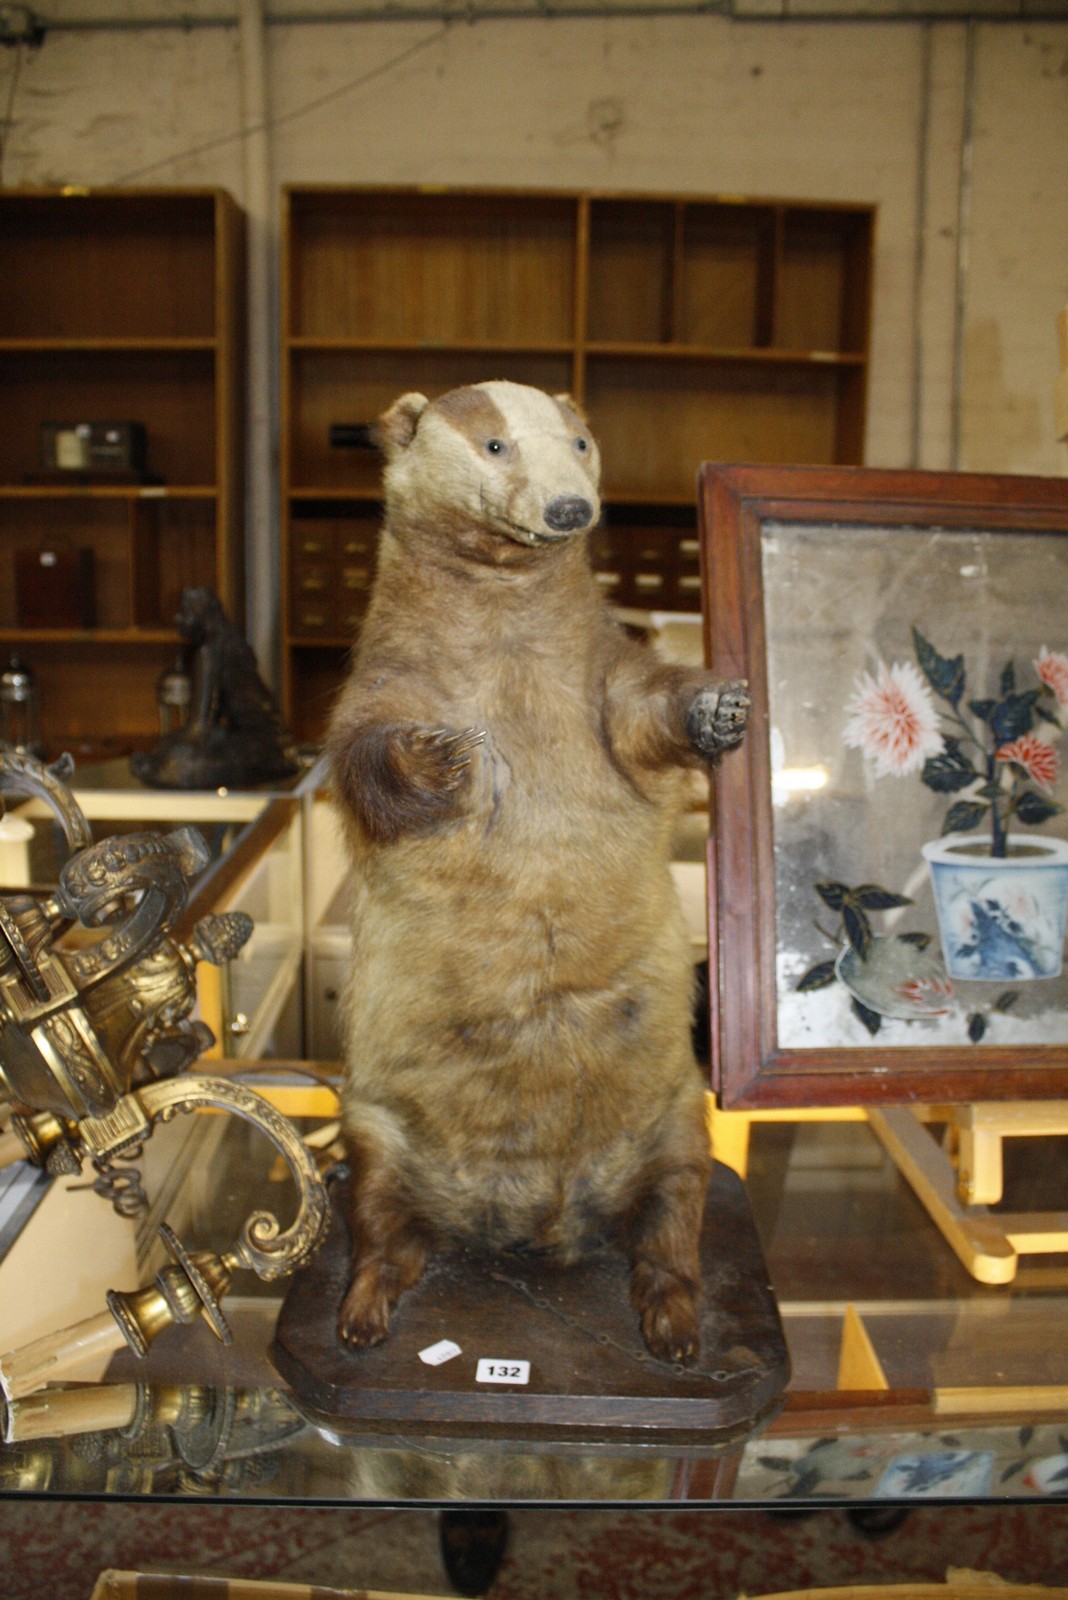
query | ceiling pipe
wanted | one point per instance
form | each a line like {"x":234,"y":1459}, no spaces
{"x":993,"y":11}
{"x":262,"y":623}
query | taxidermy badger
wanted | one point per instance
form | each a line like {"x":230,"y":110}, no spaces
{"x":509,"y":763}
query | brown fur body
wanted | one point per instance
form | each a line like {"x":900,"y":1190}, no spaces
{"x":520,"y":1068}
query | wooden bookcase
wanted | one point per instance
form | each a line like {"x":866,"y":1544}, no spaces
{"x":121,"y":306}
{"x":690,"y":329}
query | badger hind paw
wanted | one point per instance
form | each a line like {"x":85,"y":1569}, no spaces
{"x":671,"y":1325}
{"x":365,"y":1313}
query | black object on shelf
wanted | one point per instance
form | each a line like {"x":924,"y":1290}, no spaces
{"x":353,"y":436}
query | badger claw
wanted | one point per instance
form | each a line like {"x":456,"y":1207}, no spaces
{"x":457,"y":747}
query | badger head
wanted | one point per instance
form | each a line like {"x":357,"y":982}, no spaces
{"x":498,"y":468}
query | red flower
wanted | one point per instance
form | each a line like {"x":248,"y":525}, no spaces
{"x":1038,"y":759}
{"x":930,"y":995}
{"x":1052,"y":668}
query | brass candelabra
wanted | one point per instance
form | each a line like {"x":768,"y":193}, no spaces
{"x":96,"y":1041}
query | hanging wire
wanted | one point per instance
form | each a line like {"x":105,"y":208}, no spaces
{"x":269,"y":124}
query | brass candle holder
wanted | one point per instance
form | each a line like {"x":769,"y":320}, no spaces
{"x":143,"y":1438}
{"x":96,"y":1040}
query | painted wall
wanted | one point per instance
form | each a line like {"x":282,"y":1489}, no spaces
{"x":964,"y":343}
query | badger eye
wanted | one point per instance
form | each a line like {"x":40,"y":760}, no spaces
{"x":495,"y":447}
{"x":582,"y":445}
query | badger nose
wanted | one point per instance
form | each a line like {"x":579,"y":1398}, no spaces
{"x":568,"y":512}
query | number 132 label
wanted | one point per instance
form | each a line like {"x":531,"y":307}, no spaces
{"x":489,"y":1371}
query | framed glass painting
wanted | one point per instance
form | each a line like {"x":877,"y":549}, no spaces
{"x":888,"y":872}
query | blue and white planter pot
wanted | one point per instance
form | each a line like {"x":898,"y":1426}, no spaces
{"x":1001,"y":918}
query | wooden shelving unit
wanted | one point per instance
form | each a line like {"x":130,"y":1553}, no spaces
{"x":121,"y":306}
{"x":691,"y":329}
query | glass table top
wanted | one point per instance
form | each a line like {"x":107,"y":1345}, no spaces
{"x":963,"y":1396}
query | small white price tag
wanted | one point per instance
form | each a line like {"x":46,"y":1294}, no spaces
{"x":489,"y":1371}
{"x":435,"y":1354}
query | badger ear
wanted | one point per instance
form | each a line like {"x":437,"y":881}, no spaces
{"x":395,"y":428}
{"x":568,"y":403}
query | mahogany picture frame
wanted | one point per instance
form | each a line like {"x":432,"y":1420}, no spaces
{"x":840,"y":527}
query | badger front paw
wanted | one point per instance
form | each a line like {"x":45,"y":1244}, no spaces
{"x":407,"y":778}
{"x":717,"y":718}
{"x":432,"y":768}
{"x":436,"y":760}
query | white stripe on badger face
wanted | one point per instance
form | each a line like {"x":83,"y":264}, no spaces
{"x":530,"y":468}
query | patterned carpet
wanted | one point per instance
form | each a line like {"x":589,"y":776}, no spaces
{"x":53,"y":1551}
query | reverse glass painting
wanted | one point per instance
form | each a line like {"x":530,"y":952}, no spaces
{"x":917,"y":722}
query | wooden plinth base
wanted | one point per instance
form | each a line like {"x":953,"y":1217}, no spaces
{"x":589,"y":1372}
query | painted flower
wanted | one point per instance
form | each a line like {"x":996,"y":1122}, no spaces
{"x":1052,"y":668}
{"x":930,"y":995}
{"x":893,"y":719}
{"x":1038,"y":759}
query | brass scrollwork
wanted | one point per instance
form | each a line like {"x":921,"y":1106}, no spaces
{"x":95,"y":1042}
{"x":264,"y":1246}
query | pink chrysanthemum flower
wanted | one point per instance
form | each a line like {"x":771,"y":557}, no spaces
{"x":893,"y":719}
{"x":1038,"y":759}
{"x":1052,"y":668}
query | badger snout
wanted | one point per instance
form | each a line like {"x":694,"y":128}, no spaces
{"x":568,"y":512}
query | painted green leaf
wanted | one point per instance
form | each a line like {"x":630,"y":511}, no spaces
{"x":945,"y":675}
{"x":832,"y":894}
{"x":817,"y":977}
{"x":981,"y":709}
{"x":950,"y":770}
{"x":1032,"y":808}
{"x":1006,"y":1001}
{"x":1008,"y":678}
{"x":919,"y":940}
{"x":1014,"y":716}
{"x":858,"y":929}
{"x":871,"y":1019}
{"x":976,"y":1026}
{"x":963,"y":816}
{"x":873,"y":897}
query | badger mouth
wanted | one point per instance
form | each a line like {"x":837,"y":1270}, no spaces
{"x":519,"y":532}
{"x":523,"y":533}
{"x":533,"y":537}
